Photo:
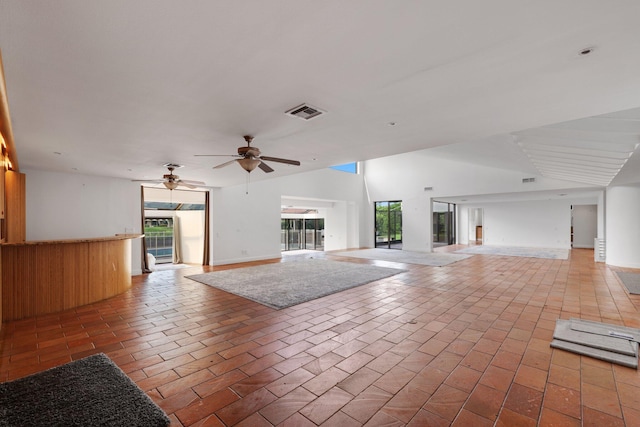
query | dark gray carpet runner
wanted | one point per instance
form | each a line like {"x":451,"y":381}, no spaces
{"x":88,"y":392}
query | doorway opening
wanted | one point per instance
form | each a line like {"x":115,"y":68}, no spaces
{"x":388,"y":224}
{"x":301,"y":233}
{"x":584,"y":226}
{"x":476,"y":233}
{"x":175,"y":226}
{"x":444,"y":224}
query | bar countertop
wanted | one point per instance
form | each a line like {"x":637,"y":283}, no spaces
{"x":78,"y":240}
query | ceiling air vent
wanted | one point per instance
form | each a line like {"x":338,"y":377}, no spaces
{"x":305,"y":112}
{"x":428,"y":188}
{"x":525,"y":180}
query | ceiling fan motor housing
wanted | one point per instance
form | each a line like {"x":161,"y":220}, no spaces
{"x":249,"y":151}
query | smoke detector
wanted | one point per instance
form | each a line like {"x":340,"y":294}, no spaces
{"x":305,"y":112}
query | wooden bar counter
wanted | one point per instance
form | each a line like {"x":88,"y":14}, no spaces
{"x":41,"y":277}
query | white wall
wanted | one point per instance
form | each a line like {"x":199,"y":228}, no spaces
{"x":585,"y":225}
{"x":246,"y":227}
{"x":404,"y":177}
{"x":623,"y":226}
{"x":68,"y":206}
{"x":336,"y":227}
{"x":416,"y":224}
{"x":462,"y":225}
{"x":536,"y":224}
{"x":602,"y":214}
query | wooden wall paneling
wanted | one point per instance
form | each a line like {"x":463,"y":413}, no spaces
{"x":76,"y":284}
{"x":7,"y":273}
{"x":11,"y":155}
{"x":49,"y":278}
{"x":2,"y":198}
{"x":17,"y":293}
{"x":24,"y":303}
{"x":120,"y":252}
{"x":0,"y":287}
{"x":98,"y":268}
{"x":113,"y":263}
{"x":15,"y":206}
{"x":114,"y":272}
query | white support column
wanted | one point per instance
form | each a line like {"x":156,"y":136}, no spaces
{"x":623,"y":226}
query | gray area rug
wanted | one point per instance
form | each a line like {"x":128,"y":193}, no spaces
{"x":88,"y":392}
{"x":547,"y":253}
{"x":434,"y":259}
{"x":290,"y":283}
{"x":631,"y":281}
{"x":612,"y":343}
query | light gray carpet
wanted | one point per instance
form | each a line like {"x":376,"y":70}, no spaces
{"x":612,"y":343}
{"x":547,"y":253}
{"x":88,"y":392}
{"x":434,"y":259}
{"x":631,"y":281}
{"x":290,"y":283}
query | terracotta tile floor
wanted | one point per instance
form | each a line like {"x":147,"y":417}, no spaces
{"x":463,"y":345}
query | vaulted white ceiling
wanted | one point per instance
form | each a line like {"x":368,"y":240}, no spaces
{"x":118,"y":88}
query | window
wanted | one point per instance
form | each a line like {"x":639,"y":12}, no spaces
{"x":347,"y":167}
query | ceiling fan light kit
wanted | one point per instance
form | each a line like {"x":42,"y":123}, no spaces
{"x":171,"y":181}
{"x":250,"y":158}
{"x":249,"y":164}
{"x":171,"y":185}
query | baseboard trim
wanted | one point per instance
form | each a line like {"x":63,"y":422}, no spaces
{"x":245,"y":259}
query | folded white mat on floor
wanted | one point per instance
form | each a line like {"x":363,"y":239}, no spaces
{"x":612,"y":343}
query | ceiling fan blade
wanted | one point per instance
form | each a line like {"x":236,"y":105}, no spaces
{"x":192,"y":182}
{"x":275,"y":159}
{"x":265,"y":167}
{"x":224,"y":164}
{"x":184,"y":184}
{"x":159,"y":181}
{"x":217,"y":155}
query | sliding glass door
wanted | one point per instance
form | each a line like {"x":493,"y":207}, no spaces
{"x":298,"y":233}
{"x":388,"y":224}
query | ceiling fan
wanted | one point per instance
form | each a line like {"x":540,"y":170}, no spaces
{"x":249,"y":158}
{"x":172,"y":181}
